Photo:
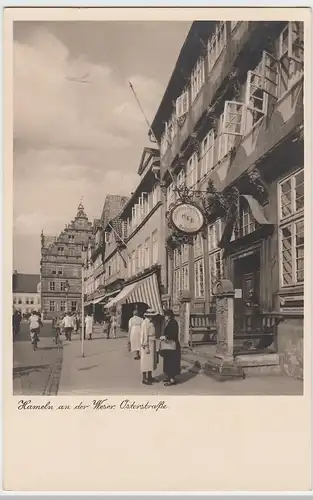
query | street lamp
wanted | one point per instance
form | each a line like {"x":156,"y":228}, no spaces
{"x":66,"y":289}
{"x":84,"y":262}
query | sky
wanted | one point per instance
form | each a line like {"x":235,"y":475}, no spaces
{"x":74,"y":140}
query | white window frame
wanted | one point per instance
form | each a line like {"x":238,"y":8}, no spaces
{"x":233,"y":118}
{"x":184,"y":277}
{"x":52,"y":286}
{"x":216,"y":44}
{"x":192,"y":171}
{"x":52,"y":307}
{"x":184,"y":253}
{"x":197,"y":78}
{"x":214,"y":235}
{"x":291,"y":65}
{"x":207,"y":153}
{"x":290,"y":220}
{"x":182,"y":104}
{"x":176,"y":284}
{"x":198,"y":246}
{"x":147,"y":253}
{"x":199,"y":294}
{"x":181,"y":179}
{"x":155,"y":247}
{"x":170,"y":195}
{"x":225,"y":142}
{"x":62,"y":307}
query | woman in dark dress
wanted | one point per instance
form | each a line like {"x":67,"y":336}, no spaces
{"x":171,"y":358}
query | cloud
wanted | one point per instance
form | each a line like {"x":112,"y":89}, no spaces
{"x":73,"y":139}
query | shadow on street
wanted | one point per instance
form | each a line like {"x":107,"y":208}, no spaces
{"x":21,"y":371}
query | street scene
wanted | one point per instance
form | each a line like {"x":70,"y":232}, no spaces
{"x":158,"y":208}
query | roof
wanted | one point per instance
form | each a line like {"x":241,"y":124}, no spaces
{"x":194,"y":45}
{"x":25,"y":283}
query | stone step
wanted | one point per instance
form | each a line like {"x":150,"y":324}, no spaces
{"x":259,"y":364}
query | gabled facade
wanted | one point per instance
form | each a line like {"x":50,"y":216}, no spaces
{"x":234,"y":139}
{"x":61,"y":266}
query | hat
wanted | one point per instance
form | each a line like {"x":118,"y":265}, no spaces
{"x":151,"y":312}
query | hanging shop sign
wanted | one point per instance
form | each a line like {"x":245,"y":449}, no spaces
{"x":187,"y":218}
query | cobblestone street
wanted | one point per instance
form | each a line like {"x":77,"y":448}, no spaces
{"x":36,"y":372}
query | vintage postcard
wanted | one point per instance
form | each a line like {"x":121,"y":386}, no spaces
{"x":159,"y":178}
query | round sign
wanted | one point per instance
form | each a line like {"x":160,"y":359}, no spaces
{"x":187,"y":218}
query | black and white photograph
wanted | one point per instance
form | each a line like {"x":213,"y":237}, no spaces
{"x":158,"y":199}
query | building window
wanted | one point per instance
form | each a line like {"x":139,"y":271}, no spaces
{"x":71,"y":237}
{"x":53,"y":270}
{"x":184,"y":277}
{"x":198,"y":246}
{"x":60,"y":271}
{"x":216,"y":43}
{"x":291,"y":54}
{"x":62,"y":286}
{"x":140,"y":257}
{"x":182,"y":104}
{"x":60,"y":250}
{"x":155,"y":247}
{"x":62,"y":306}
{"x":291,"y":229}
{"x":192,"y":171}
{"x":147,"y":253}
{"x":20,"y":301}
{"x":134,"y":262}
{"x":74,"y":305}
{"x":155,"y":195}
{"x":32,"y":302}
{"x":207,"y":153}
{"x":176,"y":258}
{"x":181,"y":179}
{"x":52,"y":306}
{"x":214,"y":235}
{"x":176,"y":284}
{"x":184,"y":253}
{"x":199,"y":278}
{"x":52,"y":286}
{"x":247,"y":221}
{"x":225,"y":141}
{"x":170,"y":195}
{"x":27,"y":301}
{"x":216,"y":269}
{"x":197,"y":78}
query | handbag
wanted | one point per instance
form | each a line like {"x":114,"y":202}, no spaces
{"x":167,"y":345}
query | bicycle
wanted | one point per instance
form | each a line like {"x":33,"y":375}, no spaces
{"x":34,"y":339}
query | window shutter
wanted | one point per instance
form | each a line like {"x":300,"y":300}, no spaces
{"x":182,"y":104}
{"x":254,"y":84}
{"x":233,"y":118}
{"x":295,"y":41}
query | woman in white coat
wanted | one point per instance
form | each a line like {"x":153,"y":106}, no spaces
{"x":148,"y":361}
{"x":134,"y":329}
{"x":89,"y":324}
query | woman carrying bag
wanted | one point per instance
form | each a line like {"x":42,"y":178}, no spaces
{"x":170,"y":349}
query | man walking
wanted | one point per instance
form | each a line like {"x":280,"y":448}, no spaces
{"x":68,"y":325}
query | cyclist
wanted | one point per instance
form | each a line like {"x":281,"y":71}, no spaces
{"x":34,"y":325}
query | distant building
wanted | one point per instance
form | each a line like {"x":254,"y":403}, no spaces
{"x":61,"y":287}
{"x":130,"y":255}
{"x":26,"y":292}
{"x":94,"y":274}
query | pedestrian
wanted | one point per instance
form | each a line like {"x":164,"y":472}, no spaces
{"x":172,"y":352}
{"x":74,"y":323}
{"x":89,"y":324}
{"x":113,"y":324}
{"x":134,"y":329}
{"x":17,"y":318}
{"x":148,"y":361}
{"x":68,"y":325}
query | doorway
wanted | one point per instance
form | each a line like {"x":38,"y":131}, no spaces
{"x":247,"y":297}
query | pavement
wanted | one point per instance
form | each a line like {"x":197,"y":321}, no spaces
{"x":36,"y":372}
{"x":107,"y":368}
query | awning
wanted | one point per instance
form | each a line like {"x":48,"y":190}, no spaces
{"x":145,"y":291}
